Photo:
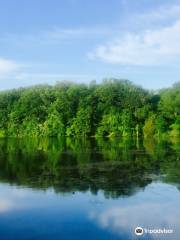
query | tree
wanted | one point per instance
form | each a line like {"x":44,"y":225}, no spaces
{"x":109,"y":125}
{"x":112,"y":108}
{"x":175,"y":127}
{"x":53,"y":126}
{"x":149,"y":128}
{"x":81,"y":124}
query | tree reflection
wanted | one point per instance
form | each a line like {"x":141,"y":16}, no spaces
{"x":117,"y":167}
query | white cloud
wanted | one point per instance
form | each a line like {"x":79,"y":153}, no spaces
{"x":150,"y":47}
{"x":7,"y":66}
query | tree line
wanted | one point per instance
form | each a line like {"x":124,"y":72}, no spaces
{"x":109,"y":109}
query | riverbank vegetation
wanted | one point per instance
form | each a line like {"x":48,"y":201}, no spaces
{"x":112,"y":108}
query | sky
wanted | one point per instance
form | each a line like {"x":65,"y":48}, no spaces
{"x":45,"y":41}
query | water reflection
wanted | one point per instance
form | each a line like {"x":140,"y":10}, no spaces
{"x":87,"y":189}
{"x":156,"y":207}
{"x":68,"y":165}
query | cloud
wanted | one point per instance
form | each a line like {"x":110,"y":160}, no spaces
{"x":7,"y":66}
{"x":151,"y":47}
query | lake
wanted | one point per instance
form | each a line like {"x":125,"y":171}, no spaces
{"x":89,"y":189}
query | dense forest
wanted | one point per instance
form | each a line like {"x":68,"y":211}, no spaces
{"x":112,"y":108}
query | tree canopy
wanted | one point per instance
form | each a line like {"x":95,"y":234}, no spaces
{"x":112,"y":108}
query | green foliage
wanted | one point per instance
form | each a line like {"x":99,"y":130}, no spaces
{"x":149,"y":128}
{"x":161,"y":125}
{"x":175,"y":127}
{"x":112,"y":108}
{"x":110,"y":125}
{"x":169,"y":103}
{"x":81,"y":124}
{"x":53,"y":126}
{"x":126,"y":124}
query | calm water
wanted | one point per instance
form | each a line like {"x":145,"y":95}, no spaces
{"x":86,"y":189}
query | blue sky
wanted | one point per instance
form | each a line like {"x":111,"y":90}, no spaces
{"x":44,"y":41}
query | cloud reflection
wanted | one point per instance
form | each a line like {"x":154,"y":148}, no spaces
{"x":156,"y":212}
{"x":6,"y":205}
